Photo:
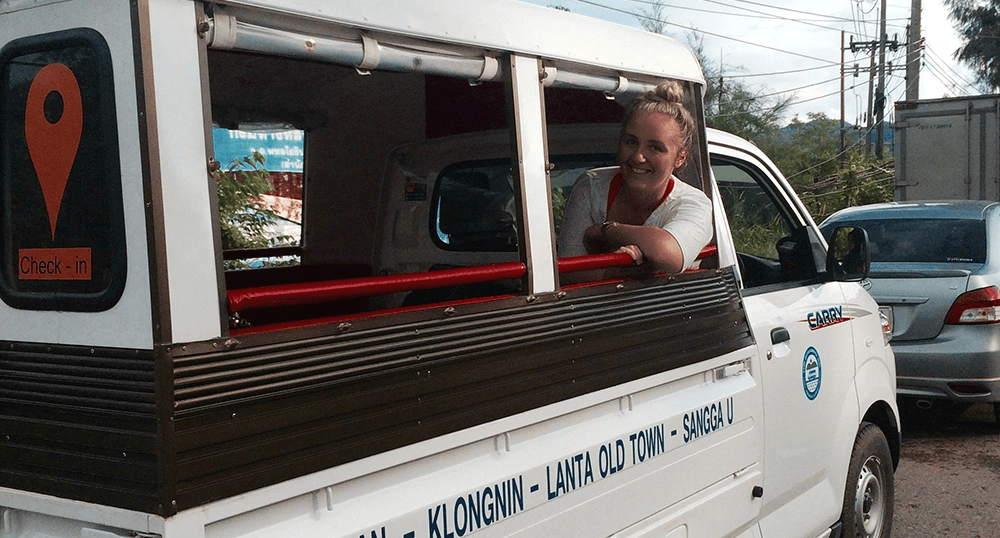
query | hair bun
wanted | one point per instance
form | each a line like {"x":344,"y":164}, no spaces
{"x":667,"y":91}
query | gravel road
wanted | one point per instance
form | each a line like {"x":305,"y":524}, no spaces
{"x":948,"y":480}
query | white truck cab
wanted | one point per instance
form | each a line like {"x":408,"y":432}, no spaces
{"x":405,"y":357}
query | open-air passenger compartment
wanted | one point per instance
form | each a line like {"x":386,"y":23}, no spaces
{"x":433,"y":231}
{"x":408,"y":183}
{"x":402,"y":321}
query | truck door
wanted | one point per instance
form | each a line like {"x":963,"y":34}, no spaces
{"x":807,"y":363}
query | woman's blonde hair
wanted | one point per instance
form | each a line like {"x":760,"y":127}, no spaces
{"x":667,"y":98}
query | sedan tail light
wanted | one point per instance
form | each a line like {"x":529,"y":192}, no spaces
{"x":976,"y":306}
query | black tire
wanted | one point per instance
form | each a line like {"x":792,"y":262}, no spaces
{"x":869,"y":493}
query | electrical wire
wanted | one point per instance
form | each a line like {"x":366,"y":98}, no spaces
{"x":696,"y":30}
{"x":761,"y":4}
{"x":755,"y":15}
{"x":791,"y":72}
{"x":956,"y":73}
{"x":944,"y":76}
{"x":790,"y":103}
{"x":778,"y":17}
{"x":858,"y":20}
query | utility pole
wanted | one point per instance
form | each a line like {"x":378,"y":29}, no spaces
{"x":871,"y":107}
{"x":843,"y":135}
{"x":876,"y":97}
{"x":880,"y":94}
{"x":913,"y":45}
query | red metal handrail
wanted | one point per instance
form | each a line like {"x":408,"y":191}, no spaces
{"x":348,"y":288}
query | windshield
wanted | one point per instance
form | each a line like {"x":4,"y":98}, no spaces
{"x":925,"y":240}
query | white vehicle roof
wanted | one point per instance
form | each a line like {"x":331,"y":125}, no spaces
{"x":505,"y":25}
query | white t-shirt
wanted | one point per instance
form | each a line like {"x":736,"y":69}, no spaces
{"x":686,"y":214}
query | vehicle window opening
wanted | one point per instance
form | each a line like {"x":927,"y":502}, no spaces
{"x":769,"y":248}
{"x":605,"y":133}
{"x":260,"y":186}
{"x":362,"y":131}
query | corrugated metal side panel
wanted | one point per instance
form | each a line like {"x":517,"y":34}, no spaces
{"x":79,"y":423}
{"x":251,"y":418}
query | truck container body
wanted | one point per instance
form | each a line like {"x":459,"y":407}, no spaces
{"x":948,"y":149}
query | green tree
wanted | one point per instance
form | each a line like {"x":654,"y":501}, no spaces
{"x":244,"y":220}
{"x":979,"y":26}
{"x":807,"y":149}
{"x":808,"y":153}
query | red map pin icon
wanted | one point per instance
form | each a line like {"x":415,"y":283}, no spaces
{"x":53,"y":144}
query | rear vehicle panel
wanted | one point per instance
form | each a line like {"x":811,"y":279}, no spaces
{"x":925,"y":258}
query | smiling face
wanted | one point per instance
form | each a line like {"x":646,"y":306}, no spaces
{"x":651,"y":148}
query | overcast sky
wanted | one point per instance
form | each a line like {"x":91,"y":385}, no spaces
{"x":760,"y":41}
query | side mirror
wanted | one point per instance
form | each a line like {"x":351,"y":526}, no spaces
{"x":849,"y":258}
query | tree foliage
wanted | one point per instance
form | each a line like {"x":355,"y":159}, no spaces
{"x":979,"y":26}
{"x":808,"y":153}
{"x":733,"y":106}
{"x":805,"y":148}
{"x":243,"y":218}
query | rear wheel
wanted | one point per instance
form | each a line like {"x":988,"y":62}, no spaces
{"x":868,"y":496}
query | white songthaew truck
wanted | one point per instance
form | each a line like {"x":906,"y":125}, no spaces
{"x":382,"y":340}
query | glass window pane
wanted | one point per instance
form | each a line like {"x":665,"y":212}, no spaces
{"x":926,"y":240}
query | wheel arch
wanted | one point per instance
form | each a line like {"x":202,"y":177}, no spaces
{"x":881,"y":414}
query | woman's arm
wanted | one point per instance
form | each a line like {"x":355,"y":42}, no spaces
{"x":659,"y":248}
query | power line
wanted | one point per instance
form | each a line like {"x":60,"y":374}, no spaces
{"x":956,"y":73}
{"x":793,"y":71}
{"x":835,"y":79}
{"x":790,"y":102}
{"x":933,"y":61}
{"x":771,"y":16}
{"x":761,"y":4}
{"x":755,"y":15}
{"x":944,"y":78}
{"x":696,"y":30}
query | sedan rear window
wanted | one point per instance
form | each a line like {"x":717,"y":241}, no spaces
{"x":925,"y":240}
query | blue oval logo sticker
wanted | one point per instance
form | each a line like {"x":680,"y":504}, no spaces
{"x":812,"y":373}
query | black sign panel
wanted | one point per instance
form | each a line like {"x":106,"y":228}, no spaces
{"x":61,"y":220}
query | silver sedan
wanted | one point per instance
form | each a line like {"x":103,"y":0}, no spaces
{"x":937,"y":265}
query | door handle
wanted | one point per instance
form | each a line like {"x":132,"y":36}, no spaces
{"x":779,"y":335}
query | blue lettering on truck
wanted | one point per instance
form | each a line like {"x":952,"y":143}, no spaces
{"x":826,"y":317}
{"x":708,"y":419}
{"x":474,"y":511}
{"x":490,"y":504}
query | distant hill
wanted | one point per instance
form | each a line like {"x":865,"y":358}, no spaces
{"x":855,"y":133}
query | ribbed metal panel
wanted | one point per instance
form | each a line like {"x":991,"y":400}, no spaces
{"x":252,"y":417}
{"x":79,"y":422}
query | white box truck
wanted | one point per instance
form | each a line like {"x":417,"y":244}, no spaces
{"x":948,"y":149}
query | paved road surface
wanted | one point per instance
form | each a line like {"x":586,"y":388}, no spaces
{"x":948,"y":480}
